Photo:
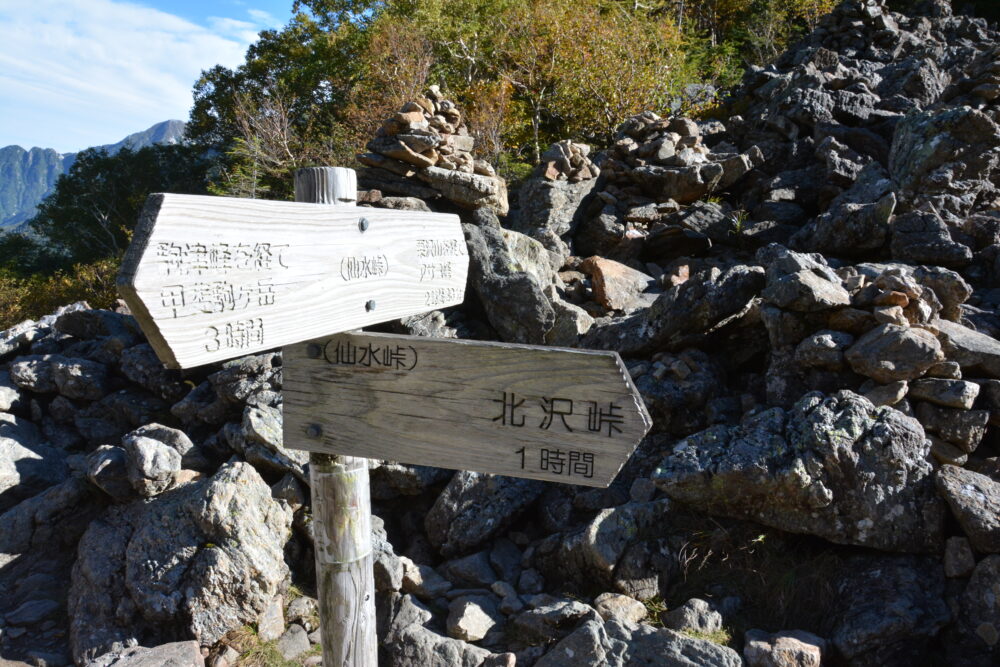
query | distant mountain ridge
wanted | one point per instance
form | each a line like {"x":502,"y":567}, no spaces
{"x":27,"y":176}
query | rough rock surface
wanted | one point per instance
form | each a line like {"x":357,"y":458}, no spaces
{"x":205,"y":558}
{"x":834,"y":466}
{"x":975,"y":501}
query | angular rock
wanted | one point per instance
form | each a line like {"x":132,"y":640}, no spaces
{"x":923,"y":238}
{"x":806,"y":292}
{"x":203,"y":558}
{"x":948,"y":393}
{"x":975,"y":501}
{"x":621,"y":607}
{"x":833,"y":466}
{"x":974,"y":352}
{"x":471,"y":618}
{"x":962,"y":428}
{"x":293,"y":643}
{"x":513,"y":298}
{"x":468,"y":190}
{"x":593,"y":553}
{"x":549,"y":619}
{"x":616,"y":286}
{"x":980,"y":611}
{"x":141,"y":365}
{"x":108,"y":470}
{"x":889,"y":353}
{"x":959,"y":561}
{"x":694,"y":616}
{"x":151,"y":464}
{"x":407,"y":642}
{"x":788,"y":648}
{"x":615,"y":644}
{"x":175,"y":654}
{"x":10,"y":397}
{"x":681,"y":315}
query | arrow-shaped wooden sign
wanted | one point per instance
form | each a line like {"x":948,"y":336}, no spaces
{"x":211,"y":278}
{"x":556,"y":414}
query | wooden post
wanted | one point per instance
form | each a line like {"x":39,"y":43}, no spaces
{"x":341,"y":504}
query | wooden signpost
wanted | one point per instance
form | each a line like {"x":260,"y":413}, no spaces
{"x":211,"y":278}
{"x":560,"y":415}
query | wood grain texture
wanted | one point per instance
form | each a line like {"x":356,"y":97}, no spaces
{"x":211,"y":278}
{"x":561,"y":415}
{"x":345,"y":580}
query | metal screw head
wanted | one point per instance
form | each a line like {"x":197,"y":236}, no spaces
{"x":363,"y":224}
{"x":314,"y":430}
{"x":313,"y":350}
{"x":370,"y":306}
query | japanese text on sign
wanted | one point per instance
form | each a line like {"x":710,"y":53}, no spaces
{"x":440,"y":248}
{"x":557,"y":461}
{"x":562,"y":414}
{"x":182,"y":259}
{"x":238,"y":335}
{"x":395,"y":357}
{"x":218,"y":296}
{"x":363,"y":267}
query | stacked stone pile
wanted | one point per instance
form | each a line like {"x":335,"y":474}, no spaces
{"x":427,"y":139}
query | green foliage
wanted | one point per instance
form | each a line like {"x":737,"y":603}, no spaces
{"x":31,"y":297}
{"x":526,"y":73}
{"x":94,"y":208}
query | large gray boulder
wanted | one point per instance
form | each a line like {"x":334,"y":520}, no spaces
{"x":891,"y":352}
{"x":945,"y":157}
{"x":834,"y":466}
{"x":975,"y":501}
{"x":508,"y":283}
{"x":196,"y":561}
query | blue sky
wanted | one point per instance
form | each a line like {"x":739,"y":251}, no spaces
{"x":78,"y":73}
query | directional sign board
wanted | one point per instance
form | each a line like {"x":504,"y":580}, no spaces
{"x":211,"y":278}
{"x":555,"y":414}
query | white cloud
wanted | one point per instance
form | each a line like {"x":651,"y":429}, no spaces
{"x":79,"y":73}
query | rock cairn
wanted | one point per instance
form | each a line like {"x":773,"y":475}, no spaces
{"x":427,"y":139}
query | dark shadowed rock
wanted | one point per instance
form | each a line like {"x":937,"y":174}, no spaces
{"x":682,"y":314}
{"x":888,"y":609}
{"x":406,"y":641}
{"x":27,"y":465}
{"x":834,"y":466}
{"x":474,"y":507}
{"x":980,"y":614}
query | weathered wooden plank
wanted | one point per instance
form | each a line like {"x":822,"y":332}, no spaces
{"x":210,"y":278}
{"x":555,"y":414}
